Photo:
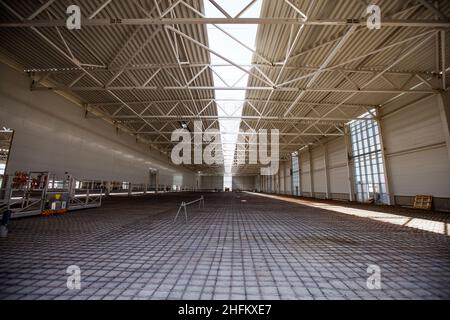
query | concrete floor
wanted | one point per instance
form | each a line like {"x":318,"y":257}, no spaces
{"x":258,"y":249}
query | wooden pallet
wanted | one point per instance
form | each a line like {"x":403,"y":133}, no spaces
{"x":423,"y":202}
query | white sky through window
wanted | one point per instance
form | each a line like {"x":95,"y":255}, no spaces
{"x":230,"y":102}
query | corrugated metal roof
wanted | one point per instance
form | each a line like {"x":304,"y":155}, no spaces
{"x":124,"y":57}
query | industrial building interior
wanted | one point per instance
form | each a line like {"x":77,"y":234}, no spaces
{"x":94,"y":206}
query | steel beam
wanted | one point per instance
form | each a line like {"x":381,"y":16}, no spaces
{"x":286,"y":89}
{"x":99,"y":9}
{"x":40,"y":9}
{"x":274,"y":118}
{"x":360,"y":57}
{"x":372,"y":80}
{"x":433,"y":9}
{"x":287,"y":134}
{"x":258,"y":21}
{"x":251,"y":102}
{"x":292,"y":67}
{"x":324,"y":64}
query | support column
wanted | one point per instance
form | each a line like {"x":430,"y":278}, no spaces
{"x":300,"y":173}
{"x":349,"y":162}
{"x":444,"y":110}
{"x":311,"y":171}
{"x":272,"y":184}
{"x":286,"y":169}
{"x":108,"y":188}
{"x":278,"y":182}
{"x":327,"y":174}
{"x":386,"y":167}
{"x":281,"y":177}
{"x":442,"y":53}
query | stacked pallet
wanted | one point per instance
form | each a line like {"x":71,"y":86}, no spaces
{"x":423,"y":202}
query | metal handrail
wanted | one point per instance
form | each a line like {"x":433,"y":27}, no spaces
{"x":184,"y":205}
{"x":86,"y":200}
{"x":4,"y":206}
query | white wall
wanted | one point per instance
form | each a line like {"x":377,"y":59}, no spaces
{"x":281,"y":178}
{"x":244,"y":183}
{"x":284,"y":178}
{"x":305,"y":178}
{"x":416,"y":152}
{"x":211,"y":182}
{"x":337,"y":162}
{"x":51,"y":134}
{"x":319,"y":176}
{"x":287,"y":177}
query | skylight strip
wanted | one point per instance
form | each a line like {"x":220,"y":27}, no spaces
{"x":237,"y":44}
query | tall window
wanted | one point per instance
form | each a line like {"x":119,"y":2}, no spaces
{"x":368,"y":160}
{"x":295,"y":174}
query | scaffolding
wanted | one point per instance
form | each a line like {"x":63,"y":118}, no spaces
{"x":37,"y":192}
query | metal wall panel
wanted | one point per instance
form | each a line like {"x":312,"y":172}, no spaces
{"x":305,"y":179}
{"x":416,"y":150}
{"x":338,"y":180}
{"x":425,"y":172}
{"x":337,"y":161}
{"x":287,"y":178}
{"x":244,"y":183}
{"x":416,"y":126}
{"x":211,"y":182}
{"x":52,"y":134}
{"x":320,"y":182}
